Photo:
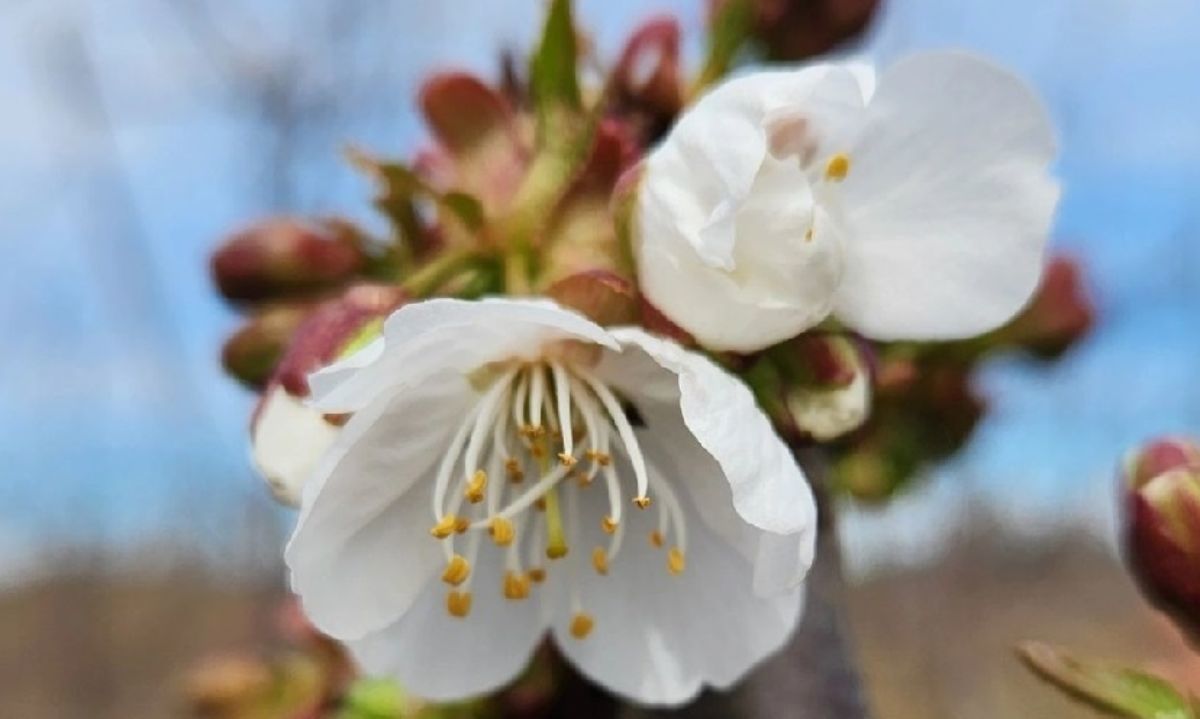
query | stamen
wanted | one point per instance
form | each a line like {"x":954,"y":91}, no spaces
{"x":529,"y":496}
{"x":475,"y":487}
{"x":582,"y":625}
{"x":537,"y":575}
{"x":457,"y":570}
{"x":675,"y":561}
{"x":445,"y":469}
{"x":512,"y":467}
{"x":608,"y":524}
{"x":444,"y":527}
{"x":458,"y":604}
{"x":641,"y":502}
{"x":562,"y":395}
{"x":674,"y":510}
{"x":516,"y":585}
{"x":601,"y":460}
{"x":461,"y":525}
{"x":838,"y":167}
{"x":625,"y":432}
{"x":656,"y":539}
{"x":502,"y":531}
{"x":537,"y":389}
{"x":600,"y":560}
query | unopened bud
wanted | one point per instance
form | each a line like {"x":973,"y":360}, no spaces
{"x":791,"y":30}
{"x":646,"y":80}
{"x":827,"y":384}
{"x":1060,"y":313}
{"x":288,"y":437}
{"x":1162,"y":527}
{"x":286,"y":257}
{"x":252,"y":353}
{"x":606,"y":297}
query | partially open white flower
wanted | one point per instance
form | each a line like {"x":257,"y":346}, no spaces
{"x":606,"y":485}
{"x":915,"y":210}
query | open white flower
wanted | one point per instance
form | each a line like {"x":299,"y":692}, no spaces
{"x":606,"y":485}
{"x":287,"y":439}
{"x":919,"y":209}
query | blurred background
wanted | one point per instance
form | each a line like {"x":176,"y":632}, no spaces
{"x":134,"y":536}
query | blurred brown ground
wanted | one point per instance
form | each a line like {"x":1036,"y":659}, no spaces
{"x":935,"y":642}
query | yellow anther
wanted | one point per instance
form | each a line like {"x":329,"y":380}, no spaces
{"x":461,"y":525}
{"x":600,"y":560}
{"x":675,"y":563}
{"x":445,"y":527}
{"x":502,"y":531}
{"x":537,"y":575}
{"x":540,"y":504}
{"x":566,"y":460}
{"x":458,"y":604}
{"x":641,"y":502}
{"x":537,"y":430}
{"x":838,"y":167}
{"x":526,"y":431}
{"x":583,"y":479}
{"x":457,"y":570}
{"x":513,"y":469}
{"x":608,"y":524}
{"x":656,"y":538}
{"x":476,"y":486}
{"x":537,"y":450}
{"x":516,"y":585}
{"x":601,"y":458}
{"x":582,"y":625}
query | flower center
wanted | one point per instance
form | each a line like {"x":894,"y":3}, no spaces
{"x":539,"y":437}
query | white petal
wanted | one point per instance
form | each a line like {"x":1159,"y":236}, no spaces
{"x":447,"y":334}
{"x":783,"y":279}
{"x":443,"y":658}
{"x":287,"y":441}
{"x":769,"y":489}
{"x":722,"y":225}
{"x":659,"y":638}
{"x":361,"y":550}
{"x":948,"y":203}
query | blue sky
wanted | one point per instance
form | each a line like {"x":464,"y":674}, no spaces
{"x":115,"y":421}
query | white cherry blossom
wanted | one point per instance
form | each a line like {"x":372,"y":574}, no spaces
{"x":607,"y":486}
{"x":914,"y":207}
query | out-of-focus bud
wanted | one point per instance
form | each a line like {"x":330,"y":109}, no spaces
{"x":253,"y":352}
{"x":827,"y":389}
{"x":581,"y":236}
{"x":287,"y":436}
{"x":606,"y":297}
{"x":1162,"y":527}
{"x":1058,"y":316}
{"x":480,"y":134}
{"x":646,"y":81}
{"x":286,"y":257}
{"x":800,"y":29}
{"x":224,"y":685}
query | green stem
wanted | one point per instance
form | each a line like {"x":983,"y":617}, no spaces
{"x":434,"y":273}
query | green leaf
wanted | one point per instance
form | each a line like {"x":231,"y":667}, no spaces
{"x":554,"y":76}
{"x":1119,"y":691}
{"x":727,"y":34}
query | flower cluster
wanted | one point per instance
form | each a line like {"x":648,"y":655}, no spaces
{"x":564,"y":395}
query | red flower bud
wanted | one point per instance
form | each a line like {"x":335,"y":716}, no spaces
{"x":800,"y":29}
{"x":646,"y":80}
{"x":327,"y":331}
{"x":1058,"y":316}
{"x":286,"y":257}
{"x":253,"y":352}
{"x":1162,"y":527}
